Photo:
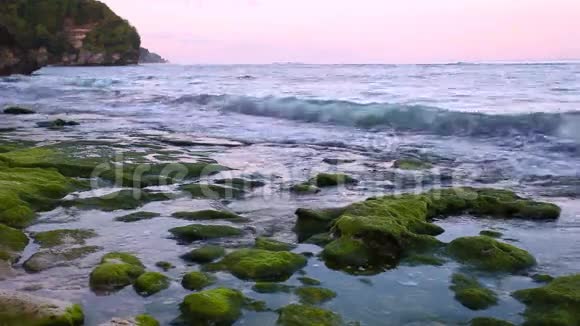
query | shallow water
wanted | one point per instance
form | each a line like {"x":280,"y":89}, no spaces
{"x":290,"y":117}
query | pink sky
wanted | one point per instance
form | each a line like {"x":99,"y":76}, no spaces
{"x":361,"y":31}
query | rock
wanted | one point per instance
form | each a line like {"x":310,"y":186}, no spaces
{"x":411,"y":164}
{"x":221,"y":306}
{"x":491,"y":233}
{"x":309,"y":281}
{"x":47,"y":259}
{"x":470,"y":293}
{"x":210,"y":215}
{"x":12,"y":243}
{"x":487,"y":321}
{"x":311,"y":222}
{"x":314,"y":295}
{"x":117,"y":270}
{"x":136,"y":217}
{"x":337,"y":161}
{"x":321,"y":239}
{"x":199,"y":190}
{"x":241,"y":183}
{"x":542,"y":278}
{"x":150,"y":283}
{"x":140,"y":320}
{"x":195,"y":232}
{"x":332,"y":179}
{"x":272,"y":245}
{"x":145,"y":56}
{"x":260,"y":265}
{"x":120,"y":200}
{"x":490,"y":255}
{"x":55,"y":238}
{"x":165,"y":266}
{"x":195,"y":281}
{"x":185,"y":140}
{"x":271,"y":287}
{"x":17,"y":309}
{"x":304,"y":188}
{"x":298,"y":315}
{"x":15,"y":110}
{"x":556,"y":303}
{"x":205,"y":254}
{"x":57,"y":124}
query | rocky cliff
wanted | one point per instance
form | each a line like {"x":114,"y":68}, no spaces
{"x":34,"y":33}
{"x":146,"y":56}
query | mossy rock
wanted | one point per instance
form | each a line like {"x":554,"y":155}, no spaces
{"x":12,"y":243}
{"x":314,"y":295}
{"x":120,"y":200}
{"x":557,"y":303}
{"x":150,"y":283}
{"x":117,"y":270}
{"x":488,"y":321}
{"x":542,"y":278}
{"x":304,"y":188}
{"x":418,"y":260}
{"x":299,"y":315}
{"x":19,"y":309}
{"x":491,"y":233}
{"x":488,"y":254}
{"x":56,"y":124}
{"x":352,"y":255}
{"x":411,"y":164}
{"x":241,"y":183}
{"x":337,"y":161}
{"x":55,"y":238}
{"x":321,"y":239}
{"x":210,"y":214}
{"x":311,"y":222}
{"x":261,"y":265}
{"x":309,"y":281}
{"x":47,"y":259}
{"x":471,"y":294}
{"x":221,"y":306}
{"x":136,"y":217}
{"x":332,"y":179}
{"x":24,"y":191}
{"x":208,"y":191}
{"x":197,"y":232}
{"x":15,"y":110}
{"x":205,"y":254}
{"x":165,"y":266}
{"x":195,"y":281}
{"x":271,"y":287}
{"x":272,"y":245}
{"x":146,"y":320}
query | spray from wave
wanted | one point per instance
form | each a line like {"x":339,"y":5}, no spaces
{"x":413,"y":118}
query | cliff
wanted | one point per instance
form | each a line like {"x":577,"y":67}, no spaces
{"x":34,"y":33}
{"x":146,"y":56}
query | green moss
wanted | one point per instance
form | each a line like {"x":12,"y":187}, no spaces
{"x":321,"y":239}
{"x":117,"y":270}
{"x":261,"y":265}
{"x":199,"y":190}
{"x":490,"y":255}
{"x":299,"y":315}
{"x":556,"y":303}
{"x":487,"y":321}
{"x":311,"y":222}
{"x":542,"y":278}
{"x":272,"y":245}
{"x":124,"y":199}
{"x":150,"y":283}
{"x":304,"y":188}
{"x":470,"y":293}
{"x":24,"y":191}
{"x":332,"y":179}
{"x":18,"y":110}
{"x":138,"y":216}
{"x":47,"y":259}
{"x":221,"y":306}
{"x":205,"y":254}
{"x":55,"y":238}
{"x":196,"y":232}
{"x":411,"y":164}
{"x":271,"y":287}
{"x":491,"y":233}
{"x":146,"y":320}
{"x":164,"y":265}
{"x":314,"y":295}
{"x":309,"y":281}
{"x":417,"y":259}
{"x":350,"y":255}
{"x":121,"y":257}
{"x":12,"y":242}
{"x":210,"y":215}
{"x":195,"y":281}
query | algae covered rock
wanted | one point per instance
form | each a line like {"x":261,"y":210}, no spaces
{"x":304,"y":188}
{"x":196,"y":281}
{"x":261,"y":265}
{"x":352,"y":255}
{"x":18,"y":309}
{"x":311,"y":222}
{"x":55,"y":238}
{"x":487,"y":321}
{"x":124,"y":199}
{"x":210,"y":215}
{"x":150,"y":283}
{"x":411,"y":164}
{"x":164,"y":265}
{"x":332,"y":179}
{"x":47,"y":259}
{"x":542,"y":278}
{"x":309,"y":281}
{"x":221,"y":306}
{"x":491,"y":233}
{"x":16,"y":110}
{"x":146,"y":320}
{"x":490,"y":255}
{"x":205,"y":254}
{"x":208,"y":191}
{"x":557,"y":303}
{"x":12,"y":243}
{"x":116,"y":270}
{"x":241,"y":183}
{"x":197,"y":232}
{"x":299,"y":315}
{"x":271,"y":287}
{"x":138,"y":216}
{"x":272,"y":245}
{"x":314,"y":295}
{"x":470,"y":293}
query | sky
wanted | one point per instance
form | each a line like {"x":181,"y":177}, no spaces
{"x":355,"y":31}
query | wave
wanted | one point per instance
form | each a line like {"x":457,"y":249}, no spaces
{"x":397,"y":117}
